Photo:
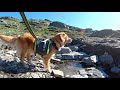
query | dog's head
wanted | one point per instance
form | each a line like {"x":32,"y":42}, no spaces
{"x":61,"y":39}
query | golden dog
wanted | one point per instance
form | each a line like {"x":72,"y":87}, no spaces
{"x":24,"y":46}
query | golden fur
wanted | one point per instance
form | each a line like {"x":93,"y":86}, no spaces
{"x":24,"y":46}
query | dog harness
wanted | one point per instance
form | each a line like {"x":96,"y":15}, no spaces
{"x":42,"y":46}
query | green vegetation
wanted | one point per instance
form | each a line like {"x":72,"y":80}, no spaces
{"x":40,"y":28}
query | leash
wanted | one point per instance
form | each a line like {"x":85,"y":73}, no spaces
{"x":29,"y":28}
{"x":32,"y":33}
{"x":27,"y":24}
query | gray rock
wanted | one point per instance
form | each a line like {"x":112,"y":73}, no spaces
{"x":82,"y":54}
{"x":119,"y":65}
{"x":67,"y":57}
{"x":76,"y":76}
{"x":64,"y":50}
{"x":92,"y":45}
{"x":58,"y":73}
{"x":86,"y":60}
{"x":11,"y":52}
{"x":16,"y":59}
{"x":1,"y":68}
{"x":103,"y":73}
{"x":58,"y":56}
{"x":2,"y":61}
{"x":94,"y":58}
{"x":90,"y":60}
{"x":73,"y":48}
{"x":105,"y":33}
{"x":100,"y":68}
{"x":95,"y":73}
{"x":70,"y":68}
{"x":106,"y":59}
{"x":5,"y":76}
{"x":82,"y":72}
{"x":14,"y":62}
{"x":92,"y":73}
{"x":71,"y":56}
{"x":1,"y":76}
{"x":34,"y":75}
{"x":115,"y":70}
{"x":57,"y":24}
{"x":67,"y":76}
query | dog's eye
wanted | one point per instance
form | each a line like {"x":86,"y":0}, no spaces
{"x":63,"y":34}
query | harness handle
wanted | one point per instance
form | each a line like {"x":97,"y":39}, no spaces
{"x":27,"y":24}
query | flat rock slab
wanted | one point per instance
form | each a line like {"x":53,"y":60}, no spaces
{"x":57,"y":73}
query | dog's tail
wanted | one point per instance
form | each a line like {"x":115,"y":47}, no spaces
{"x":8,"y":39}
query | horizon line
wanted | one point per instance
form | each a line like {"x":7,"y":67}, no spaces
{"x":59,"y":21}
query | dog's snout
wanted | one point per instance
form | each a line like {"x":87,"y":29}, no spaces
{"x":69,"y":40}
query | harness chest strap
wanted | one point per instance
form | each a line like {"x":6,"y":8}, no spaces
{"x":34,"y":47}
{"x":48,"y":48}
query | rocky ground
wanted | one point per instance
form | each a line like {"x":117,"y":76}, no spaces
{"x":85,"y":57}
{"x":69,"y":62}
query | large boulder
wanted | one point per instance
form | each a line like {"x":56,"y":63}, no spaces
{"x":58,"y":24}
{"x":106,"y":59}
{"x":115,"y":70}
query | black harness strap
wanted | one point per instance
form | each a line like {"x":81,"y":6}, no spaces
{"x":54,"y":45}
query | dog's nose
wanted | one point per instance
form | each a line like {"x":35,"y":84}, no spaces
{"x":69,"y":40}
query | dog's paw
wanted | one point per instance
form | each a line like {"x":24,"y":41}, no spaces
{"x":48,"y":70}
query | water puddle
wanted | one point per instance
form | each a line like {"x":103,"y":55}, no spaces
{"x":70,"y":68}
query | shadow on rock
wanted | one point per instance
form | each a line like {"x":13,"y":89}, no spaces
{"x":15,"y":67}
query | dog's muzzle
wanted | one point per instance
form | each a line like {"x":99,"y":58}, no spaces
{"x":69,"y":40}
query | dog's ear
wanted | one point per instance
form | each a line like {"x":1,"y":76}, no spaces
{"x":61,"y":37}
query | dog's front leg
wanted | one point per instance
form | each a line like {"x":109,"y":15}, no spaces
{"x":46,"y":62}
{"x":29,"y":59}
{"x":22,"y":57}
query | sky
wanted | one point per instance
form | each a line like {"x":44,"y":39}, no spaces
{"x":94,"y":20}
